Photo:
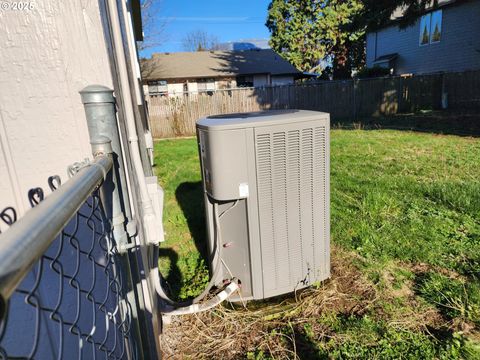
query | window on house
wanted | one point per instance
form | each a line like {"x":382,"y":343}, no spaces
{"x":425,"y":29}
{"x":436,"y":26}
{"x":158,"y":87}
{"x":431,"y":28}
{"x":206,"y":85}
{"x":244,"y":81}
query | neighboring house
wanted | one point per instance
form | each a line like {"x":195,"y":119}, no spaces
{"x":445,"y":38}
{"x":206,"y":71}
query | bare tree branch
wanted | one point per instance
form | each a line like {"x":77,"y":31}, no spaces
{"x":153,"y":28}
{"x":199,"y":40}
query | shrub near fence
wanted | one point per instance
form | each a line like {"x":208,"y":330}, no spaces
{"x":344,"y":100}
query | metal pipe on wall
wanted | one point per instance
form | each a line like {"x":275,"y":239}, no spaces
{"x":101,"y":118}
{"x":136,"y":73}
{"x":145,"y":207}
{"x":100,"y":112}
{"x":146,"y":202}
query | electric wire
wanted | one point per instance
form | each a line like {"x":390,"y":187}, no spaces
{"x":158,"y":279}
{"x":230,"y":208}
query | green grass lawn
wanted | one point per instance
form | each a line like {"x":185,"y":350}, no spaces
{"x":405,"y":215}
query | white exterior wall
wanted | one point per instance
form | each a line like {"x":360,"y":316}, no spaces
{"x":145,"y":90}
{"x":192,"y":87}
{"x":282,"y":80}
{"x":176,"y":89}
{"x":48,"y":55}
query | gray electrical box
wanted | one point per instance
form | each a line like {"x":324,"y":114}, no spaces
{"x":266,"y":182}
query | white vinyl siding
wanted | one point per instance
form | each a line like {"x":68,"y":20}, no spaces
{"x":192,"y":87}
{"x":175,"y":89}
{"x":260,"y":80}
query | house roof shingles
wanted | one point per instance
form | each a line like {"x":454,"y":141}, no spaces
{"x":204,"y":64}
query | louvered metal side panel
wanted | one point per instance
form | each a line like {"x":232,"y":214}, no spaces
{"x":292,"y":183}
{"x":265,"y":208}
{"x":307,"y":204}
{"x":321,"y":197}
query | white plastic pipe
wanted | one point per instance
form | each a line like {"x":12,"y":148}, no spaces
{"x":196,"y":308}
{"x":146,"y":205}
{"x":132,"y":51}
{"x":145,"y":201}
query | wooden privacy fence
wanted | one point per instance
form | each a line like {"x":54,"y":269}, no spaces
{"x":344,"y":100}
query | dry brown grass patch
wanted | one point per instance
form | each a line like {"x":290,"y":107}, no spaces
{"x":277,"y":326}
{"x":229,"y":332}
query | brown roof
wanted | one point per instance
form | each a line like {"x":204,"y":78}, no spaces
{"x":202,"y":64}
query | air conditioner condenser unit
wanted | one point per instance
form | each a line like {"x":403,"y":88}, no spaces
{"x":266,"y":185}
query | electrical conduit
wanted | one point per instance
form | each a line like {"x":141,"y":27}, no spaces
{"x":145,"y":201}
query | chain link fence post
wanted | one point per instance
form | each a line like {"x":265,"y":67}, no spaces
{"x":100,"y":111}
{"x":101,"y":117}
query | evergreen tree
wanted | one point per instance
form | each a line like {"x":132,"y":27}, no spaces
{"x":378,"y":13}
{"x":425,"y":37}
{"x":436,"y":34}
{"x":314,"y":33}
{"x":306,"y":32}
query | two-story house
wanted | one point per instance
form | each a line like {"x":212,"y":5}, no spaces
{"x":445,"y":38}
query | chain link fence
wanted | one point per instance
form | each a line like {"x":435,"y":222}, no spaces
{"x":73,"y":303}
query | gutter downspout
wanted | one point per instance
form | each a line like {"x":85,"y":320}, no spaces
{"x":127,"y":15}
{"x":132,"y":50}
{"x":145,"y":201}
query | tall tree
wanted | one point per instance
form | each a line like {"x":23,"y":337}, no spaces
{"x":313,"y":33}
{"x":199,"y":40}
{"x":377,"y":13}
{"x":306,"y":32}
